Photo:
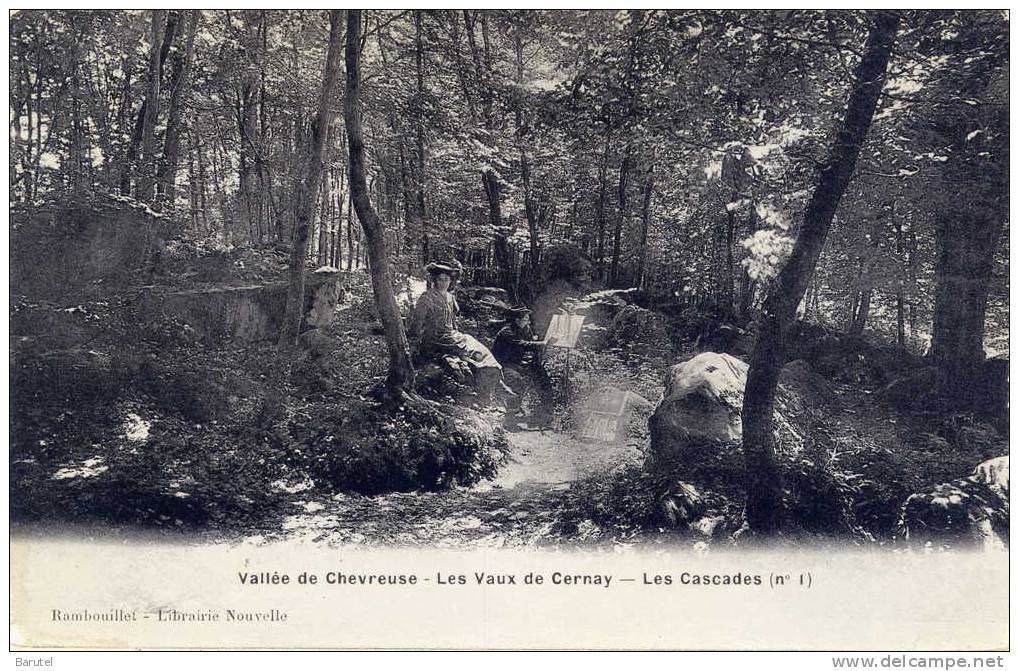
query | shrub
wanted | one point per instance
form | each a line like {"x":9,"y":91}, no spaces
{"x":375,"y":449}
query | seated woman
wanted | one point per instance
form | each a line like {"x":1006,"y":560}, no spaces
{"x":433,"y":326}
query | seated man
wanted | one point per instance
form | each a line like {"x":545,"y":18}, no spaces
{"x":516,"y":343}
{"x":433,"y":326}
{"x":516,"y":347}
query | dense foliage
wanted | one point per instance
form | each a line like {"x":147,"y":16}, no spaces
{"x":675,"y":148}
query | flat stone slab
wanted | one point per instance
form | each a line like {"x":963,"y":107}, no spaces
{"x":248,"y":313}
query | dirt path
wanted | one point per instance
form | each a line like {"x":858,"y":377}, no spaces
{"x":518,"y":508}
{"x":543,"y":456}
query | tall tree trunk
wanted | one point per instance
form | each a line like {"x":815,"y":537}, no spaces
{"x":645,"y":219}
{"x":323,"y":223}
{"x":617,"y":234}
{"x":179,"y":85}
{"x":308,"y":189}
{"x":352,"y":253}
{"x":307,"y":193}
{"x":530,"y":207}
{"x":862,"y":311}
{"x":503,"y":261}
{"x":746,"y":282}
{"x":969,"y":225}
{"x":490,"y":180}
{"x":80,"y":162}
{"x":900,"y":317}
{"x":730,"y":260}
{"x":249,"y":164}
{"x":862,"y":308}
{"x":338,"y":253}
{"x":530,"y":210}
{"x":401,"y":373}
{"x":131,"y":165}
{"x":900,"y":281}
{"x":763,"y":480}
{"x":603,"y":174}
{"x":966,"y":243}
{"x":147,"y":180}
{"x":419,"y":128}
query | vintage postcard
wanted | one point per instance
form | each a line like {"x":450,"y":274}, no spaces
{"x":509,"y":329}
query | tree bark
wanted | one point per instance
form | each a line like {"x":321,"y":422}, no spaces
{"x":730,"y":260}
{"x":862,"y":311}
{"x":966,"y":243}
{"x":179,"y":84}
{"x":147,"y":180}
{"x":645,"y":219}
{"x":971,"y":217}
{"x":490,"y":180}
{"x":351,"y":252}
{"x":900,"y":281}
{"x":307,"y":195}
{"x":420,"y":213}
{"x":600,"y":203}
{"x":135,"y":146}
{"x":617,"y":234}
{"x":308,"y":188}
{"x":401,"y":372}
{"x":763,"y":480}
{"x":249,"y":163}
{"x":531,"y":209}
{"x":323,"y":223}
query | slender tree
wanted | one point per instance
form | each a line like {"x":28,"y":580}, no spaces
{"x":307,"y":194}
{"x":178,"y":98}
{"x":401,"y":372}
{"x":309,"y":188}
{"x":147,"y":180}
{"x":763,"y":482}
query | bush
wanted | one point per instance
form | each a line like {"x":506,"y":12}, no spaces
{"x":375,"y":449}
{"x":624,"y":500}
{"x":821,"y":493}
{"x":567,"y":263}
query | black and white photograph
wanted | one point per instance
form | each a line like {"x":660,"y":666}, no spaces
{"x":570,"y":285}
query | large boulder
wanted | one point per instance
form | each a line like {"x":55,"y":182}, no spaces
{"x":484,"y":302}
{"x":725,"y":337}
{"x":964,"y":512}
{"x":855,"y":360}
{"x":917,"y":390}
{"x":700,"y":408}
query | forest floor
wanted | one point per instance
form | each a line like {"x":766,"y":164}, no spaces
{"x":135,"y":463}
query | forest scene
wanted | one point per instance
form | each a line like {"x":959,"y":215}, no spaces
{"x":511,"y":278}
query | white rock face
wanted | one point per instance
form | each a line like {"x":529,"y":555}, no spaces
{"x":993,"y":473}
{"x":700,"y":407}
{"x":703,"y":403}
{"x":719,"y":377}
{"x":967,"y":511}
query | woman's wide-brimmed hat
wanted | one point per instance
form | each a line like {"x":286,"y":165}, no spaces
{"x":451,"y":267}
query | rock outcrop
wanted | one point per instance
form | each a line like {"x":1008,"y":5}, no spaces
{"x":245,"y":313}
{"x":634,"y":325}
{"x":964,"y":512}
{"x":71,"y":244}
